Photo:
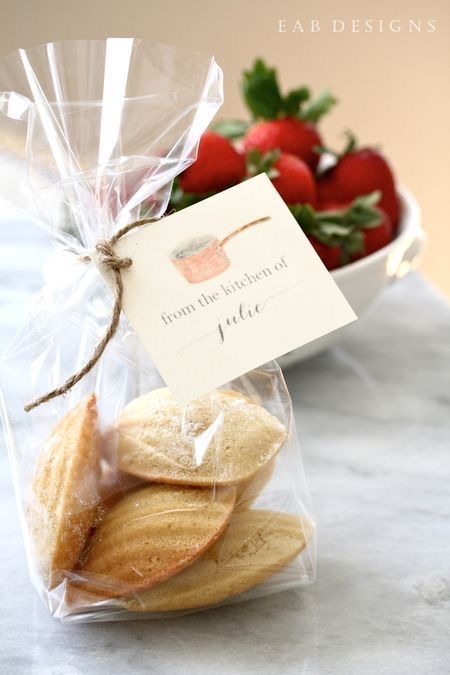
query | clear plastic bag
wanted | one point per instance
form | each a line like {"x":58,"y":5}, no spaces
{"x":132,"y":507}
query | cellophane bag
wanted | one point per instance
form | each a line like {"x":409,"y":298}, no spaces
{"x":132,"y":506}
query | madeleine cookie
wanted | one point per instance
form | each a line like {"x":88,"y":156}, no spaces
{"x":250,"y":489}
{"x":256,"y":544}
{"x":152,"y":533}
{"x":64,"y":492}
{"x":218,"y":439}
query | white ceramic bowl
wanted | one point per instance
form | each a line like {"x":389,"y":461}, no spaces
{"x":363,"y":280}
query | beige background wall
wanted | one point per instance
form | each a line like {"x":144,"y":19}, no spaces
{"x":394,"y":88}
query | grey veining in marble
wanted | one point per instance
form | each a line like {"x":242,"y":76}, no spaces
{"x":374,"y":421}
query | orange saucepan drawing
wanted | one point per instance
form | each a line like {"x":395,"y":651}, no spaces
{"x":204,"y":257}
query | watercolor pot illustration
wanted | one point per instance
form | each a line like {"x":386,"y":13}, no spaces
{"x":204,"y":257}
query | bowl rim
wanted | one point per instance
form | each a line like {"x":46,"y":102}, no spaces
{"x":409,"y":228}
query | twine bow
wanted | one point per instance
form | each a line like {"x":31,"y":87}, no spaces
{"x":108,"y":257}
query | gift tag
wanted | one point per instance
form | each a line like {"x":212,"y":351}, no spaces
{"x":224,"y":286}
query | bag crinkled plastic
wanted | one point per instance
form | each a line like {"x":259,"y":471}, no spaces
{"x":132,"y":506}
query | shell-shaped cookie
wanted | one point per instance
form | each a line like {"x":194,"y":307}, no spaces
{"x":64,"y":492}
{"x":219,"y":439}
{"x":249,"y":490}
{"x":152,"y":533}
{"x":255,"y":545}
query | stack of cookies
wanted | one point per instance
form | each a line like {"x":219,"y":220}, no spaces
{"x":176,"y":530}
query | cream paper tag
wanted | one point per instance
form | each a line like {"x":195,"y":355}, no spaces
{"x":224,"y":286}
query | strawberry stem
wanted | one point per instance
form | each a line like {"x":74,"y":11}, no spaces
{"x":340,"y":227}
{"x":262,"y":163}
{"x":263,"y":97}
{"x":352,"y":143}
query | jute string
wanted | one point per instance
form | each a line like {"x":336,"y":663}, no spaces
{"x":108,"y":257}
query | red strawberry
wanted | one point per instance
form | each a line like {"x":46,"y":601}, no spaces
{"x":287,"y":121}
{"x":375,"y":237}
{"x":344,"y":232}
{"x":217,"y":166}
{"x":294,"y":181}
{"x":329,"y":255}
{"x":326,"y":205}
{"x":359,"y":172}
{"x":289,"y":134}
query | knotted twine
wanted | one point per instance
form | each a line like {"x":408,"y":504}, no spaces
{"x":108,"y":258}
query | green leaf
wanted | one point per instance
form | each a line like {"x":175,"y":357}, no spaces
{"x":318,"y":107}
{"x":262,"y":95}
{"x":262,"y":163}
{"x":334,"y":229}
{"x":342,"y":228}
{"x":363,"y":213}
{"x":367,"y":201}
{"x":331,"y":216}
{"x":366,"y":219}
{"x":261,"y":91}
{"x":355,"y":243}
{"x":292,"y":102}
{"x":305,"y":216}
{"x":231,"y":129}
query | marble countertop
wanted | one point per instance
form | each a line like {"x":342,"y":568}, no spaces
{"x":374,"y":424}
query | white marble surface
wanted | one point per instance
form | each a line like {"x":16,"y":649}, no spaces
{"x":374,"y":420}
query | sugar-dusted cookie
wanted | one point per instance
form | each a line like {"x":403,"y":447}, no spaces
{"x":64,"y":492}
{"x":255,"y":545}
{"x":220,"y":439}
{"x":152,"y":533}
